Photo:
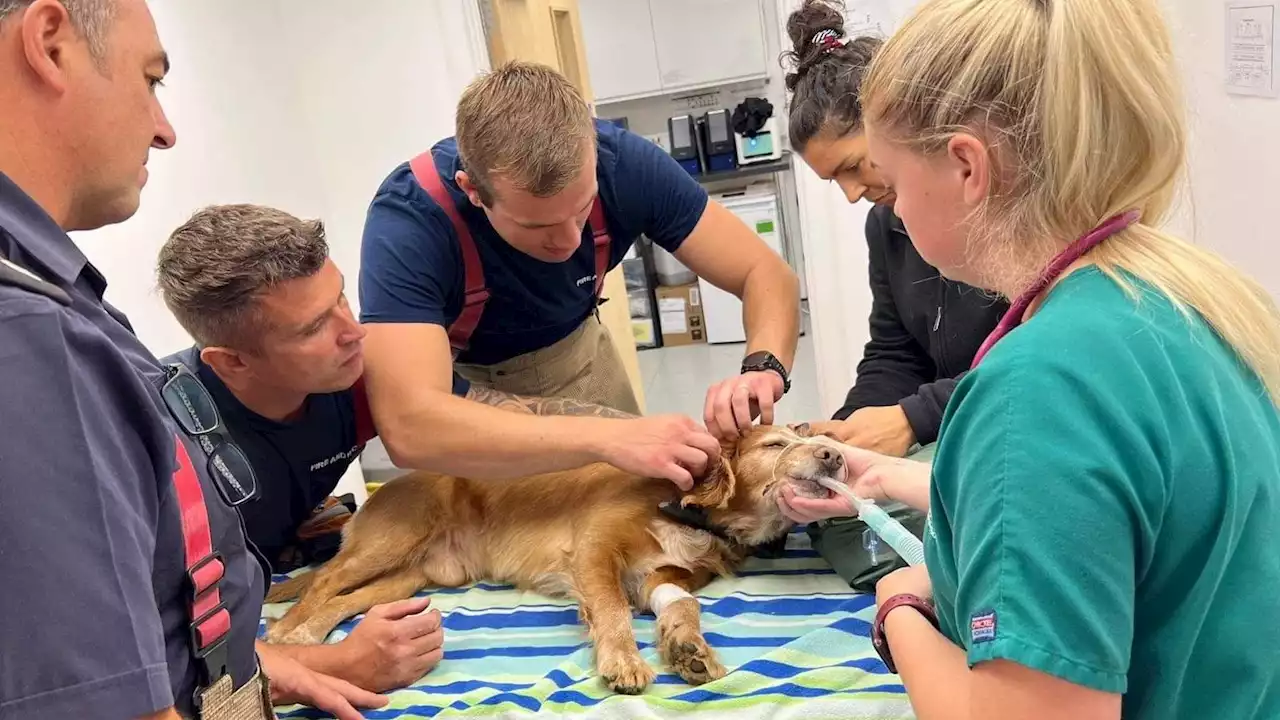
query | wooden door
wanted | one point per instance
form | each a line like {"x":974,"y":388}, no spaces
{"x":550,"y":32}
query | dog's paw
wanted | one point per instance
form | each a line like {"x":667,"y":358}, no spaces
{"x":276,"y":630}
{"x":625,"y":673}
{"x":694,"y":661}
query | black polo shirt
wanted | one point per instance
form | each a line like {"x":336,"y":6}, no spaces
{"x":93,"y":614}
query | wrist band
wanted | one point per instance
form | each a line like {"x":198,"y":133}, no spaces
{"x":878,"y":640}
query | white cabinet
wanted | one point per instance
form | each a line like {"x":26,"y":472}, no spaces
{"x":621,"y":52}
{"x":701,"y":42}
{"x":637,"y":48}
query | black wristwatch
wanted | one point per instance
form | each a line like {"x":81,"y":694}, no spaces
{"x":764,"y":360}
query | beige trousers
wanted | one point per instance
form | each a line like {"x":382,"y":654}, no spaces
{"x":584,"y":366}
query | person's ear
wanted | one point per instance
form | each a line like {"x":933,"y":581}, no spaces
{"x":716,"y":488}
{"x":229,"y":365}
{"x":48,"y":39}
{"x":468,"y":187}
{"x":970,"y":159}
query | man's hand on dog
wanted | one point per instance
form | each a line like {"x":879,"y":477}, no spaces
{"x":394,"y":645}
{"x":732,"y":404}
{"x":292,"y":682}
{"x":671,"y":447}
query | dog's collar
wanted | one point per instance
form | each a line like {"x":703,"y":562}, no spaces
{"x":693,"y":517}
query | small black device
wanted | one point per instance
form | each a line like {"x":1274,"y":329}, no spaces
{"x":684,"y":142}
{"x":718,"y":140}
{"x":763,"y":360}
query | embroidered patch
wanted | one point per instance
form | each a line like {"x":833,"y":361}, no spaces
{"x":982,"y":627}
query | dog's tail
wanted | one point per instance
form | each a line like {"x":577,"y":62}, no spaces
{"x":290,"y":589}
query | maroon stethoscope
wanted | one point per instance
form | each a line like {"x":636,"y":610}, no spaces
{"x":1013,"y":317}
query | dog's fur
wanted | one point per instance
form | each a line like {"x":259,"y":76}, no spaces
{"x":594,"y":534}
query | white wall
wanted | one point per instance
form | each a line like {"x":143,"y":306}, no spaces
{"x":373,"y":88}
{"x":226,"y":97}
{"x":1234,"y":202}
{"x":305,"y":105}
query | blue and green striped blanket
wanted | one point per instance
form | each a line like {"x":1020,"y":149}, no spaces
{"x":794,"y":638}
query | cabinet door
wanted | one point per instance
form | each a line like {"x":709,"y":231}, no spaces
{"x":702,"y":42}
{"x":620,"y":48}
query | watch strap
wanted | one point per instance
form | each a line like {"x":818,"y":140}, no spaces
{"x":764,"y":360}
{"x":878,"y":640}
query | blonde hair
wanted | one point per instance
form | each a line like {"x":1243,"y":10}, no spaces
{"x":1080,"y":105}
{"x":526,"y":123}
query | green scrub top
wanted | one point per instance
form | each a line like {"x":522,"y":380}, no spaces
{"x":1105,"y":508}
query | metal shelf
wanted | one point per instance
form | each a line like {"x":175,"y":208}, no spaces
{"x":766,"y":168}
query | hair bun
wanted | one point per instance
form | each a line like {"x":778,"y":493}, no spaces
{"x":815,"y":29}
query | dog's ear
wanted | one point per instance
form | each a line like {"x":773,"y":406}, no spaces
{"x":715,"y":488}
{"x":801,"y":429}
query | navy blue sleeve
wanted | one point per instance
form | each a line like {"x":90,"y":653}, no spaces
{"x":408,"y":263}
{"x":78,"y":515}
{"x":655,"y":196}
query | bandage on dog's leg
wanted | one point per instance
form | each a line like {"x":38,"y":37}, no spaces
{"x":680,"y":639}
{"x":665,"y":594}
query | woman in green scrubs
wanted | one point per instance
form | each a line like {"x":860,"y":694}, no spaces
{"x":1104,"y":506}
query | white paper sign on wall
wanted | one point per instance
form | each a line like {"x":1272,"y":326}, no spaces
{"x":1251,"y":49}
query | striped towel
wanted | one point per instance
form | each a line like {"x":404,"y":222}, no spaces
{"x":794,"y":638}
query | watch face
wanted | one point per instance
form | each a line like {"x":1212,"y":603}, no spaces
{"x":755,"y":358}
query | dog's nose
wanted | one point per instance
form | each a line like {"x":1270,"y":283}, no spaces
{"x":829,"y":456}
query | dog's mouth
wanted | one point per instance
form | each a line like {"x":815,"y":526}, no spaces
{"x":805,"y":484}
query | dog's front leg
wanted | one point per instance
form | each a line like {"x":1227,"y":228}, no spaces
{"x":597,"y":577}
{"x":680,"y":638}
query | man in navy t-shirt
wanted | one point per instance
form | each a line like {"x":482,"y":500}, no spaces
{"x":280,"y":353}
{"x":481,"y":268}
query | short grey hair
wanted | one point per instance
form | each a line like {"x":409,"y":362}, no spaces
{"x":91,"y":17}
{"x":213,"y":269}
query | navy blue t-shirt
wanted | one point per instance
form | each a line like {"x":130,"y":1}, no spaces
{"x":411,"y":264}
{"x":297,"y":463}
{"x":94,"y":615}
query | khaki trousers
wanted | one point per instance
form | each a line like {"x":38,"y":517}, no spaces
{"x":584,"y":366}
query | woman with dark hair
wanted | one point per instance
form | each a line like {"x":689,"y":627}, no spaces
{"x":924,"y":330}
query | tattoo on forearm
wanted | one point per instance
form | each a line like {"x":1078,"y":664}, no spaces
{"x":541,"y":406}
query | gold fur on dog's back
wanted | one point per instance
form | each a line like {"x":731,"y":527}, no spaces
{"x":513,"y":531}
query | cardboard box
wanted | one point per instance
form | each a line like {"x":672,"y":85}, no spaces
{"x":680,"y":314}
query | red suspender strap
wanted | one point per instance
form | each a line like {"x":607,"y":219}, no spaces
{"x":603,"y":243}
{"x":475,"y":295}
{"x":210,"y":621}
{"x":365,"y":430}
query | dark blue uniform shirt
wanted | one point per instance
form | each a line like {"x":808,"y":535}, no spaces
{"x":297,"y":463}
{"x":93,"y":614}
{"x":411,"y":264}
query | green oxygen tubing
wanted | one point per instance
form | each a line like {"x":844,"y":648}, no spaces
{"x":908,"y":546}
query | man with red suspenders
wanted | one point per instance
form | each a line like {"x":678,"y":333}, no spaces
{"x":129,"y":588}
{"x":481,"y":269}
